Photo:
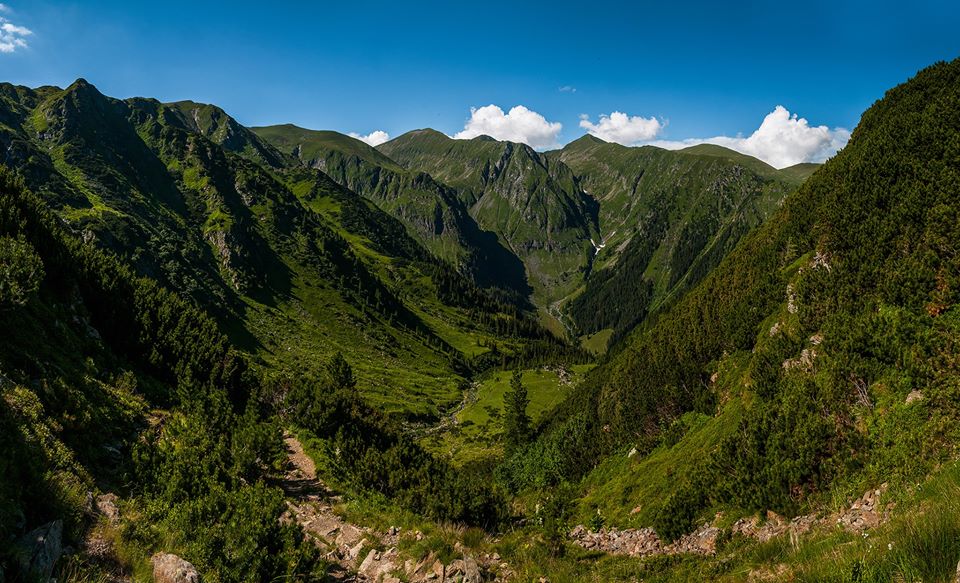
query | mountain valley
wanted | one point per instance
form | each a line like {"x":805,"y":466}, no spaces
{"x":264,"y":353}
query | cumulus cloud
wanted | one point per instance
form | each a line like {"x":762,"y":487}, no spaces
{"x":374,"y":138}
{"x":567,"y":89}
{"x":12,"y":37}
{"x":519,"y":125}
{"x":783,"y":139}
{"x":623,"y":129}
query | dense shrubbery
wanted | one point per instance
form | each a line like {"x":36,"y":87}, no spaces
{"x":199,"y":474}
{"x":869,"y":248}
{"x":368,"y":452}
{"x":21,"y":271}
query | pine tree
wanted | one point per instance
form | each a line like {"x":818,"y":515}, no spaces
{"x":340,"y":372}
{"x":516,"y":422}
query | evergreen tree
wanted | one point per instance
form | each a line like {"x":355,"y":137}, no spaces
{"x":21,"y":271}
{"x":516,"y":422}
{"x":340,"y":372}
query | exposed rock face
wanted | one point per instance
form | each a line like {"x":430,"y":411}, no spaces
{"x":914,"y":395}
{"x":866,"y":512}
{"x":803,"y":362}
{"x":774,"y":526}
{"x":41,"y":550}
{"x":107,"y":506}
{"x":380,"y":566}
{"x":863,"y":514}
{"x":644,"y":542}
{"x":169,"y":568}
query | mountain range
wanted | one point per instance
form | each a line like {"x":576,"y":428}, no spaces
{"x":597,"y":362}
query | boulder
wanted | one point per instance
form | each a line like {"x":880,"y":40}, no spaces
{"x":455,"y":568}
{"x":107,"y":506}
{"x":41,"y":549}
{"x":369,"y":565}
{"x":169,"y":568}
{"x":377,"y":564}
{"x":422,"y":569}
{"x":471,"y":571}
{"x":438,"y":570}
{"x":354,"y":553}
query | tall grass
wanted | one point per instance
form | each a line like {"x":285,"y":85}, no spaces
{"x":922,"y":542}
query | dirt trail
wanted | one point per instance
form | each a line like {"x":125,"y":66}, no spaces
{"x":311,"y":506}
{"x":354,"y":551}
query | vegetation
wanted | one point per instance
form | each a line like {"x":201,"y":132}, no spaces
{"x":21,"y":271}
{"x":516,"y":422}
{"x":828,"y":316}
{"x":198,"y":475}
{"x":534,"y":205}
{"x":181,"y":290}
{"x":667,"y":219}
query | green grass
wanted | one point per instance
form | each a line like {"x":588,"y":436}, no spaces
{"x":476,"y":434}
{"x":598,"y":342}
{"x":315,"y":144}
{"x":629,"y":490}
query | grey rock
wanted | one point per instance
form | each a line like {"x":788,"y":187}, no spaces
{"x":169,"y":568}
{"x":107,"y":506}
{"x":471,"y":571}
{"x":41,"y":549}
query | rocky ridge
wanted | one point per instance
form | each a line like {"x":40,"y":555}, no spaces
{"x":865,"y":513}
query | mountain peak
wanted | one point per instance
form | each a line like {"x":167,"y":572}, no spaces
{"x":84,"y":88}
{"x":584,"y":141}
{"x":80,"y":83}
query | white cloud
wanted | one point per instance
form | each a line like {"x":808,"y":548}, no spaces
{"x":373,"y":138}
{"x":623,"y":129}
{"x":783,"y":139}
{"x":567,"y":89}
{"x":12,"y":37}
{"x":519,"y":125}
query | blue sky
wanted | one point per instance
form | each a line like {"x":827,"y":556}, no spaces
{"x":696,"y":69}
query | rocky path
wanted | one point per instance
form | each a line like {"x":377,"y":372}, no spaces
{"x":310,"y":505}
{"x":358,"y":553}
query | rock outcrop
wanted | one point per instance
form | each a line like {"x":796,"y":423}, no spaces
{"x":107,"y":506}
{"x":865,"y":513}
{"x":169,"y":568}
{"x":643,"y":542}
{"x":41,"y":549}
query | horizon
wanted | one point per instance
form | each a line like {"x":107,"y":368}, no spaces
{"x":765,"y":95}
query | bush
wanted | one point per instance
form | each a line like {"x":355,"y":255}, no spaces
{"x":21,"y":271}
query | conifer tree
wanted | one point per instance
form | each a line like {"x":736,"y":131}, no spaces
{"x":515,"y":419}
{"x":340,"y":372}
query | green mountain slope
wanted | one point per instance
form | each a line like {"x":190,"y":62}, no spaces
{"x":666,"y":218}
{"x":534,"y":204}
{"x":801,"y":348}
{"x":796,"y":173}
{"x":110,"y":383}
{"x":295,"y":266}
{"x":431,"y":211}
